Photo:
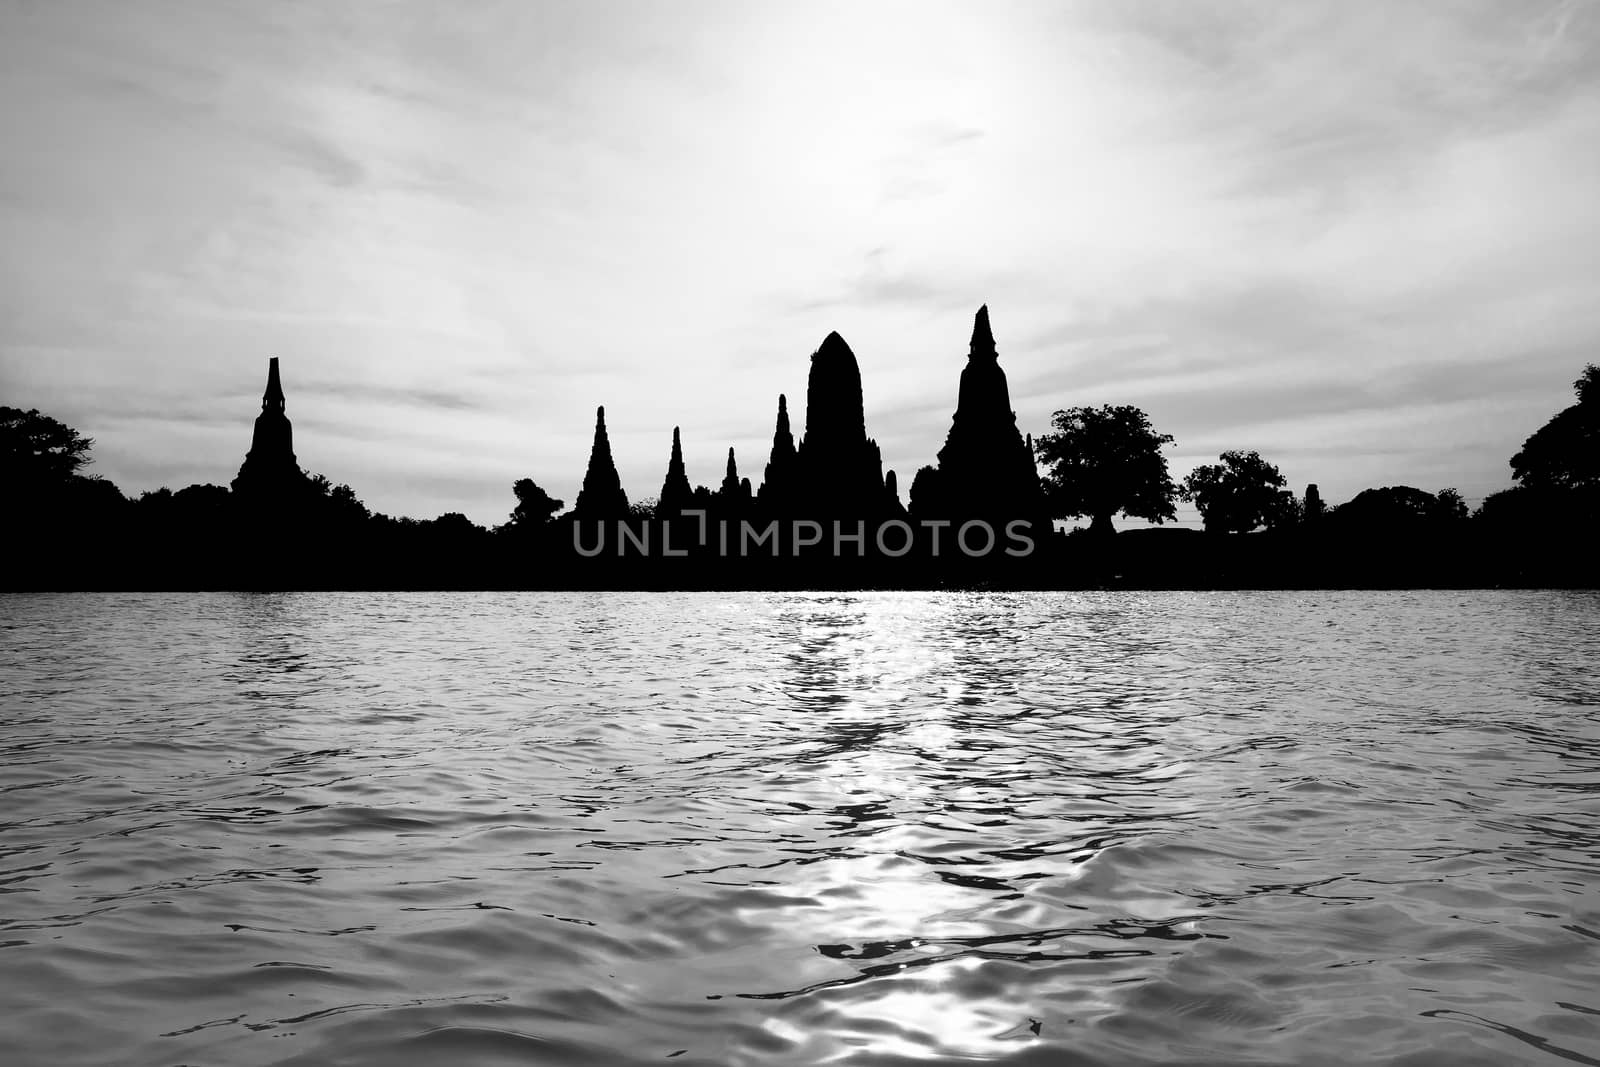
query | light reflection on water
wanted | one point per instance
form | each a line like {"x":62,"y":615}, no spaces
{"x":788,"y":829}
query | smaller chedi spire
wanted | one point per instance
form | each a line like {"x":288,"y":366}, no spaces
{"x":601,"y":496}
{"x":676,"y":492}
{"x":734,"y":490}
{"x":269,"y":468}
{"x":778,"y":483}
{"x":891,"y":489}
{"x":982,"y":347}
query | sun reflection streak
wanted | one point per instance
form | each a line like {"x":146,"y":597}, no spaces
{"x":884,"y":757}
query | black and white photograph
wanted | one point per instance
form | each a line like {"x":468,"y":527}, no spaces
{"x":773,"y":533}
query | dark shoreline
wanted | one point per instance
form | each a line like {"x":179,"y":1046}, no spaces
{"x":1133,"y":560}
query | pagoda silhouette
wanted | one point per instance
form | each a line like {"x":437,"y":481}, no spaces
{"x":602,"y":496}
{"x":836,"y":470}
{"x":270,"y":470}
{"x":986,"y":468}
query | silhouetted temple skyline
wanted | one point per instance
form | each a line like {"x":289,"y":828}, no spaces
{"x":826,"y":515}
{"x":834,"y":471}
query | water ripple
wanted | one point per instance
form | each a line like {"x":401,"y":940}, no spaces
{"x":1080,"y":829}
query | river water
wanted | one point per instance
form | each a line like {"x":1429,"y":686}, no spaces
{"x":1077,"y":829}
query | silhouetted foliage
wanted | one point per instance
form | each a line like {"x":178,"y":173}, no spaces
{"x":1541,"y":507}
{"x":36,"y":449}
{"x":1396,"y":508}
{"x":90,"y":499}
{"x":1101,"y":461}
{"x":1239,"y":494}
{"x":534,"y":506}
{"x":453,"y":522}
{"x":194,"y":505}
{"x":1451,"y":506}
{"x":1564,"y":453}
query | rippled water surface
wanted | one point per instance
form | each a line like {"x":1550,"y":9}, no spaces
{"x":792,"y":829}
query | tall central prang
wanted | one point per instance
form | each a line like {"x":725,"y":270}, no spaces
{"x":840,"y":468}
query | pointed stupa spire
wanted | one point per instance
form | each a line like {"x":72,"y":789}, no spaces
{"x":676,"y":493}
{"x":777,"y":484}
{"x":891,"y":489}
{"x":272,"y":399}
{"x":601,"y":495}
{"x":735,"y":491}
{"x":269,"y":468}
{"x":982,"y":344}
{"x":986,"y":468}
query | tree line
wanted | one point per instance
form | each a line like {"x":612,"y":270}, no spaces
{"x":76,"y":530}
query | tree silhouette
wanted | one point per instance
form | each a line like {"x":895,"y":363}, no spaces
{"x":34,"y":448}
{"x":1102,"y":461}
{"x":534,"y":505}
{"x":1239,"y":494}
{"x":1564,"y":453}
{"x":1396,"y":507}
{"x":1450,"y":505}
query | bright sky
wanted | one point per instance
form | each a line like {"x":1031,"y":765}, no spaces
{"x":1363,"y":239}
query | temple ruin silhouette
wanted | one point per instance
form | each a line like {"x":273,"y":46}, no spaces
{"x":833,"y":472}
{"x":283,"y":527}
{"x":676,"y":493}
{"x":839,"y":470}
{"x":985,"y":469}
{"x":602,"y":496}
{"x":779,"y":484}
{"x":270,"y":468}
